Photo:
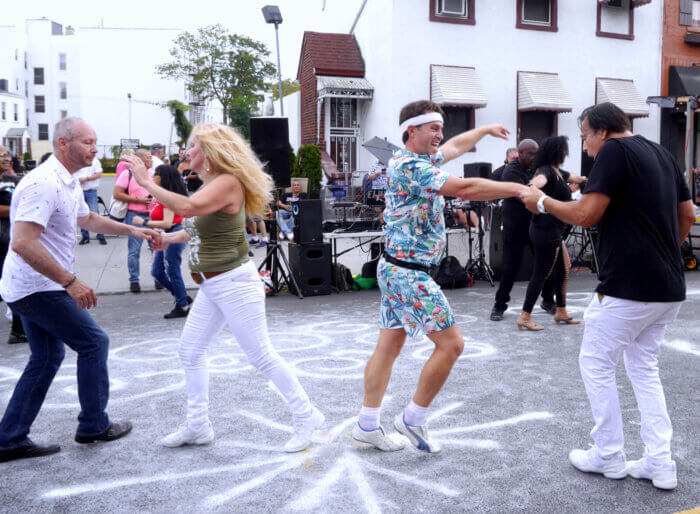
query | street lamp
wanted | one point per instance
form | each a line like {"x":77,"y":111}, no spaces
{"x":272,"y":14}
{"x":128,"y":95}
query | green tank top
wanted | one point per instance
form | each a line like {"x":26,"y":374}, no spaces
{"x":217,"y":241}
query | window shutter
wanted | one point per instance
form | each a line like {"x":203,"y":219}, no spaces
{"x":686,"y":17}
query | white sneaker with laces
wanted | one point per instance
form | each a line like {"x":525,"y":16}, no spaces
{"x":376,"y":438}
{"x":589,"y":461}
{"x":417,"y":435}
{"x":303,"y":430}
{"x":662,"y":476}
{"x":185,"y":435}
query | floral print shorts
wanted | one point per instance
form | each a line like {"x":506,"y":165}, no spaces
{"x":411,"y":300}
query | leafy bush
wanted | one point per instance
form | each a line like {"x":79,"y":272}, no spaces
{"x":109,"y":165}
{"x":310,"y":167}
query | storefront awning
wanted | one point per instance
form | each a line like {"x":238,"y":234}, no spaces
{"x":542,"y":92}
{"x":683,"y":81}
{"x":343,"y":87}
{"x":16,"y":132}
{"x":622,"y":93}
{"x":456,"y":85}
{"x":635,"y":3}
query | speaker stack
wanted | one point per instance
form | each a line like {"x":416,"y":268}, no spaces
{"x":309,"y":256}
{"x":269,"y":138}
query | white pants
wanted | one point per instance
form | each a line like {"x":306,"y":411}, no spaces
{"x":236,"y":298}
{"x":616,"y":327}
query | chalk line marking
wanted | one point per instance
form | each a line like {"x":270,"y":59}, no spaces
{"x":266,"y":421}
{"x":444,"y":410}
{"x":683,"y":346}
{"x":528,"y":416}
{"x":479,"y":444}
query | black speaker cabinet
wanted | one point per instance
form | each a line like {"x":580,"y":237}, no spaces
{"x":308,"y":221}
{"x":477,"y":170}
{"x":269,"y":138}
{"x":311,"y":266}
{"x":496,"y":249}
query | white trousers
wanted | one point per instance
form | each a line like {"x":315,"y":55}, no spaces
{"x":635,"y":330}
{"x":236,"y":298}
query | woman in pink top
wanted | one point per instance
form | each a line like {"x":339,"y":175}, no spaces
{"x":127,"y":190}
{"x":122,"y":164}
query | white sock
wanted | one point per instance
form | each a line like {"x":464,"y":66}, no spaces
{"x":415,"y":415}
{"x":369,"y":418}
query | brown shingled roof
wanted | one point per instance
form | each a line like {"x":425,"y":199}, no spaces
{"x":332,"y":54}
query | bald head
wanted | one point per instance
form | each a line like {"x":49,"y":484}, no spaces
{"x":69,"y":129}
{"x":526,"y":152}
{"x":145,"y":156}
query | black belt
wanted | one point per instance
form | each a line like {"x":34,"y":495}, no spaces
{"x":430,"y":270}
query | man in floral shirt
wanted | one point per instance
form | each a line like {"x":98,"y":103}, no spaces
{"x":412,"y":303}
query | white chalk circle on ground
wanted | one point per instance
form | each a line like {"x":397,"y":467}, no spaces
{"x":155,"y":350}
{"x":343,"y":366}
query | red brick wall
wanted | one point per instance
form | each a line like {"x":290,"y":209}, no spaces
{"x":308,"y":105}
{"x":676,"y":52}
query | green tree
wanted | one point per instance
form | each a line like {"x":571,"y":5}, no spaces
{"x":310,"y":166}
{"x":239,"y":113}
{"x":218,"y":65}
{"x":183,"y":127}
{"x":289,"y":86}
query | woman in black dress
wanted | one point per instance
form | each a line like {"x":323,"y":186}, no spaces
{"x":551,"y":257}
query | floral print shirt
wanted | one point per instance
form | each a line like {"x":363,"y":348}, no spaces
{"x":415,"y":226}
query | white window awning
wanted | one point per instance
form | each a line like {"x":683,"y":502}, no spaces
{"x":343,"y":87}
{"x":622,"y":93}
{"x":456,"y":85}
{"x":539,"y":91}
{"x":16,"y":132}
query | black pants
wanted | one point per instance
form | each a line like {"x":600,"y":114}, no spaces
{"x":514,"y":244}
{"x":549,"y":263}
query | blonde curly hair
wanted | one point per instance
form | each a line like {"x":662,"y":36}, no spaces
{"x":228,"y":152}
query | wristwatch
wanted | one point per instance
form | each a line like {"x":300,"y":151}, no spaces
{"x":540,"y":204}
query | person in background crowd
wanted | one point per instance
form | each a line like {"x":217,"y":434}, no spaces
{"x":639,"y":199}
{"x":166,"y":264}
{"x":40,"y":285}
{"x":696,"y":172}
{"x":8,"y":183}
{"x":181,"y":156}
{"x":546,"y":233}
{"x":516,"y":232}
{"x":285,"y":218}
{"x":89,"y":178}
{"x":126,"y":189}
{"x":412,"y":303}
{"x":511,"y":155}
{"x":122,"y":164}
{"x":192,"y":180}
{"x":230,"y":292}
{"x":45,"y":157}
{"x":257,"y":226}
{"x":157,"y":152}
{"x":16,"y":165}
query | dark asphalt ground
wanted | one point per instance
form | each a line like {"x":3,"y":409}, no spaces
{"x":509,"y":414}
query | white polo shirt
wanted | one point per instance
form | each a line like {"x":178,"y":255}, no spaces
{"x":155,"y":162}
{"x":51,"y":197}
{"x":95,"y":167}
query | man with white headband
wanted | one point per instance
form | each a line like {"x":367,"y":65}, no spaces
{"x":411,"y":301}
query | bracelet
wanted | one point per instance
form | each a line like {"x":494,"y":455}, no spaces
{"x":540,"y":204}
{"x":70,"y":282}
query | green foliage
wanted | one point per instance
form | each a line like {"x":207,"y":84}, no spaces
{"x":109,"y":165}
{"x":239,"y":113}
{"x":182,"y":125}
{"x":310,"y":166}
{"x":26,"y":156}
{"x":289,"y":86}
{"x":293,"y":164}
{"x":116,"y":152}
{"x":218,"y":65}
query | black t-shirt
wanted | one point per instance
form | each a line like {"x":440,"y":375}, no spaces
{"x":557,"y":188}
{"x":7,"y":187}
{"x":498,"y":173}
{"x":516,"y":218}
{"x":289,"y":197}
{"x":638,"y":246}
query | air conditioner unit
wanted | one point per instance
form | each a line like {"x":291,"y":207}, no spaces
{"x":3,"y":85}
{"x":614,"y":3}
{"x":453,"y":8}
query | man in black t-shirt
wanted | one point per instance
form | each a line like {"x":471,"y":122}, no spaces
{"x":8,"y":182}
{"x":511,"y":155}
{"x":639,"y":199}
{"x":516,"y":236}
{"x":285,"y":218}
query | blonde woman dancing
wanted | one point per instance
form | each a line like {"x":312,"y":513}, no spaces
{"x":230,"y":291}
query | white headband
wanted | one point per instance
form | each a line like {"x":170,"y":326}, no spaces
{"x":420,"y":119}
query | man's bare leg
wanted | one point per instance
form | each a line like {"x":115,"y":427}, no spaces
{"x":448,"y":347}
{"x":378,"y":369}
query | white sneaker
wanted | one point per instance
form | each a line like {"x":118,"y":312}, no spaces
{"x":376,"y":438}
{"x":417,"y":435}
{"x":185,"y":435}
{"x":303,"y":430}
{"x":590,"y":462}
{"x":663,"y":476}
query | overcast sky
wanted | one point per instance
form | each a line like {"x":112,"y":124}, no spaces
{"x":239,"y":16}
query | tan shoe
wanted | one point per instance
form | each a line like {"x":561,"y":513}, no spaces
{"x":528,"y":324}
{"x":568,"y":320}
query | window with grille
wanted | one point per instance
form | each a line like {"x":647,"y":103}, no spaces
{"x":43,"y":131}
{"x":62,"y":91}
{"x":39,"y":76}
{"x":39,"y":104}
{"x":62,"y":62}
{"x":452,"y":11}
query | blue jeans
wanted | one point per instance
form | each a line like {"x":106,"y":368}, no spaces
{"x":134,"y":246}
{"x":51,"y":319}
{"x":285,"y":219}
{"x":91,"y":200}
{"x":171,"y":278}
